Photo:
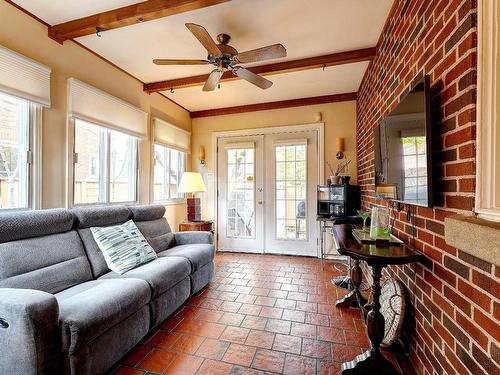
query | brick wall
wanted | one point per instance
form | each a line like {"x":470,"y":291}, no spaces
{"x":454,"y":299}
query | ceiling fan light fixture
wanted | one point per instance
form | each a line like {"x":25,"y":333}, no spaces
{"x":225,"y":57}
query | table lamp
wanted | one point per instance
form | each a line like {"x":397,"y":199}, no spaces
{"x":192,"y":182}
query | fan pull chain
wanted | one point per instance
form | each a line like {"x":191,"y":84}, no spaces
{"x":98,"y":31}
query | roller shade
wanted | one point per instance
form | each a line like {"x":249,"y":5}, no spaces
{"x":290,"y":142}
{"x":171,"y":136}
{"x":239,"y":145}
{"x":93,"y":105}
{"x":24,"y":77}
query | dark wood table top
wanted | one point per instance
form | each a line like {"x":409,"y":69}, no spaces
{"x":348,"y":245}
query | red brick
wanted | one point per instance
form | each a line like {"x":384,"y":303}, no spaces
{"x":442,"y":303}
{"x":486,"y":283}
{"x":466,"y":117}
{"x":476,"y":296}
{"x":467,"y":185}
{"x":458,"y":300}
{"x":467,"y":151}
{"x":451,"y":23}
{"x":455,"y":362}
{"x":468,"y":43}
{"x":487,"y":324}
{"x":460,"y":202}
{"x":472,"y":329}
{"x":445,"y":275}
{"x":468,"y":62}
{"x":461,"y":136}
{"x":432,"y":252}
{"x":467,"y":98}
{"x":426,"y":212}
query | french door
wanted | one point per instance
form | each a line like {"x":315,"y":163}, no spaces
{"x":267,"y":193}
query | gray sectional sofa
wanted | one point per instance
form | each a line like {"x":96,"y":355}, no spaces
{"x":62,"y":311}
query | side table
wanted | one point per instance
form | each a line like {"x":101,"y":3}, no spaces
{"x":206,"y":226}
{"x":377,"y":257}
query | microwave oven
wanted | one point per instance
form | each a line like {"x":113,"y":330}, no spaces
{"x":338,"y":200}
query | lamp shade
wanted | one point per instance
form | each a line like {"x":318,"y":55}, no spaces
{"x":191,"y":182}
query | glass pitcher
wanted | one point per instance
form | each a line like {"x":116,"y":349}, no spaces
{"x":380,"y":223}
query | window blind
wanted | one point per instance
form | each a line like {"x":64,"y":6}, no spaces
{"x":89,"y":104}
{"x":171,"y":136}
{"x":24,"y":77}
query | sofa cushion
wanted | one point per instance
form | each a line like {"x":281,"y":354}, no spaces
{"x":197,"y":254}
{"x":99,"y":216}
{"x":157,"y":233}
{"x":123,"y":246}
{"x":47,"y":263}
{"x":28,"y":224}
{"x":147,"y":212}
{"x":161,"y":274}
{"x":86,"y":217}
{"x":88,"y":310}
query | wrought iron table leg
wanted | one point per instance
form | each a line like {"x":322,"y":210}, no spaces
{"x":343,"y":281}
{"x":354,"y":298}
{"x":372,"y":361}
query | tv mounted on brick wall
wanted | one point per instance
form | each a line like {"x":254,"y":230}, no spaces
{"x":403,"y":153}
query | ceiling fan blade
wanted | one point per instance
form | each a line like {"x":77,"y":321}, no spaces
{"x":204,"y":37}
{"x":252,"y":77}
{"x":265,"y":53}
{"x":179,"y":62}
{"x":213,"y":80}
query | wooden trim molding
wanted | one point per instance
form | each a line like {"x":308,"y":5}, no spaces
{"x":276,"y":105}
{"x":125,"y":16}
{"x":332,"y":59}
{"x":487,"y":199}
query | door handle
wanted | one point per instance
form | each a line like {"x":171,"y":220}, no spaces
{"x":260,"y":202}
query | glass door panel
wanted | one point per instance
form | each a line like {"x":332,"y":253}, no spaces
{"x":240,"y":194}
{"x":291,"y":178}
{"x":290,"y":199}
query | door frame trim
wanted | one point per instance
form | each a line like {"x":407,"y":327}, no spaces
{"x":318,"y":127}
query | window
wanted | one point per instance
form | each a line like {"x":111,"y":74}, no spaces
{"x":105,"y":168}
{"x":415,"y":169}
{"x":169,"y":165}
{"x":291,"y":182}
{"x":241,"y":193}
{"x":17,"y":123}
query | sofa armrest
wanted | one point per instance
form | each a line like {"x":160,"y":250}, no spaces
{"x":192,"y":237}
{"x":29,"y":335}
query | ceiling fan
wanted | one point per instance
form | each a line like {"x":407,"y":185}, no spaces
{"x":227,"y":58}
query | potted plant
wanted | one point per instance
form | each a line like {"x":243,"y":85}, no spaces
{"x":339,"y":176}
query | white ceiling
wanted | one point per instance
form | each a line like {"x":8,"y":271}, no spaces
{"x":305,"y":27}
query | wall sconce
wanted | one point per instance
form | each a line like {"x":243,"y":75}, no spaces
{"x":340,"y":147}
{"x":201,"y":155}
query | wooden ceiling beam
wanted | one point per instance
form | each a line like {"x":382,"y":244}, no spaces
{"x":276,"y":105}
{"x":125,"y":16}
{"x":332,"y":59}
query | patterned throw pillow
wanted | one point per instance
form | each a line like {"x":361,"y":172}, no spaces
{"x":123,"y":246}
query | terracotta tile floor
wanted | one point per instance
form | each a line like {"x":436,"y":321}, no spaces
{"x":261,"y":314}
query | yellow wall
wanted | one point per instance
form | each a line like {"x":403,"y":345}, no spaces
{"x":25,"y":35}
{"x":339,"y":119}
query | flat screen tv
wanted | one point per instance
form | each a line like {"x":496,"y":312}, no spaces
{"x":403,"y":162}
